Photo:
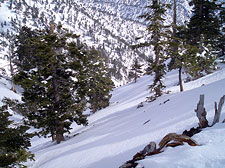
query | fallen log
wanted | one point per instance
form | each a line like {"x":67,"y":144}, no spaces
{"x":148,"y":150}
{"x":192,"y":131}
{"x":176,"y":138}
{"x":151,"y":147}
{"x":174,"y":144}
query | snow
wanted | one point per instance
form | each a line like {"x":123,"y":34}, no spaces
{"x":4,"y":12}
{"x":119,"y":131}
{"x":108,"y":25}
{"x":209,"y":154}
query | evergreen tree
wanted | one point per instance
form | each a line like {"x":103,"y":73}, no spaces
{"x":159,"y":34}
{"x":173,"y":50}
{"x":53,"y":90}
{"x":135,"y":70}
{"x":14,"y":141}
{"x":221,"y":42}
{"x":99,"y":82}
{"x":24,"y":55}
{"x":204,"y":24}
{"x":204,"y":31}
{"x":193,"y":48}
{"x":184,"y":57}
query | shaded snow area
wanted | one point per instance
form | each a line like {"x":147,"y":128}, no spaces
{"x":116,"y":133}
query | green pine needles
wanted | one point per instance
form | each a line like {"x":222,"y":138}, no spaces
{"x":62,"y":79}
{"x":135,"y":71}
{"x":14,"y":141}
{"x":191,"y":48}
{"x":159,"y":35}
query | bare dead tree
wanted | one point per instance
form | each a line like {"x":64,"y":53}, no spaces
{"x":218,"y":110}
{"x":201,"y":113}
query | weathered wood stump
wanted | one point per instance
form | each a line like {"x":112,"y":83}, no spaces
{"x":201,"y":113}
{"x":218,"y":110}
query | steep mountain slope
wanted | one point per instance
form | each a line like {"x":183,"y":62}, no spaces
{"x":118,"y":132}
{"x":111,"y":26}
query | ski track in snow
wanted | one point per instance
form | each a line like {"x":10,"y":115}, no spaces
{"x":119,"y":131}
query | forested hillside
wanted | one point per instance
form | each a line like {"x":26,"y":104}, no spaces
{"x":110,"y":26}
{"x":61,"y":62}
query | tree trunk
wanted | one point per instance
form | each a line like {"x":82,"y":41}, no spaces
{"x":175,"y":49}
{"x":174,"y":16}
{"x":59,"y":125}
{"x":180,"y":79}
{"x":201,"y":113}
{"x":11,"y":67}
{"x":59,"y":131}
{"x":218,"y":111}
{"x":158,"y":90}
{"x":200,"y":14}
{"x":53,"y":135}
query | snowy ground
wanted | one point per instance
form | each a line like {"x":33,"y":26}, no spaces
{"x":118,"y":132}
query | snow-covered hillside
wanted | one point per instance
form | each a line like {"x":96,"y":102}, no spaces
{"x":119,"y":131}
{"x":111,"y":26}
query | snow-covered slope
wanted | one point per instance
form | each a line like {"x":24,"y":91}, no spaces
{"x":118,"y":132}
{"x":109,"y":25}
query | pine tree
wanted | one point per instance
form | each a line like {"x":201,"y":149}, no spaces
{"x":193,"y":48}
{"x":204,"y":31}
{"x":135,"y":71}
{"x":175,"y":56}
{"x":53,"y":88}
{"x":14,"y":141}
{"x":159,"y":34}
{"x":184,"y":57}
{"x":24,"y":55}
{"x":204,"y":22}
{"x":221,"y":42}
{"x":99,"y":83}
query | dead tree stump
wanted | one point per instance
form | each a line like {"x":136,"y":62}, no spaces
{"x":218,"y":110}
{"x":201,"y":113}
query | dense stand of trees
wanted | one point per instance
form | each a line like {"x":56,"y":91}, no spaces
{"x":191,"y":48}
{"x":60,"y":78}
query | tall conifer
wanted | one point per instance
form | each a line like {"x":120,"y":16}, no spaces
{"x":159,"y":34}
{"x":53,"y":94}
{"x":135,"y":71}
{"x":14,"y":141}
{"x":99,"y":83}
{"x":204,"y":33}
